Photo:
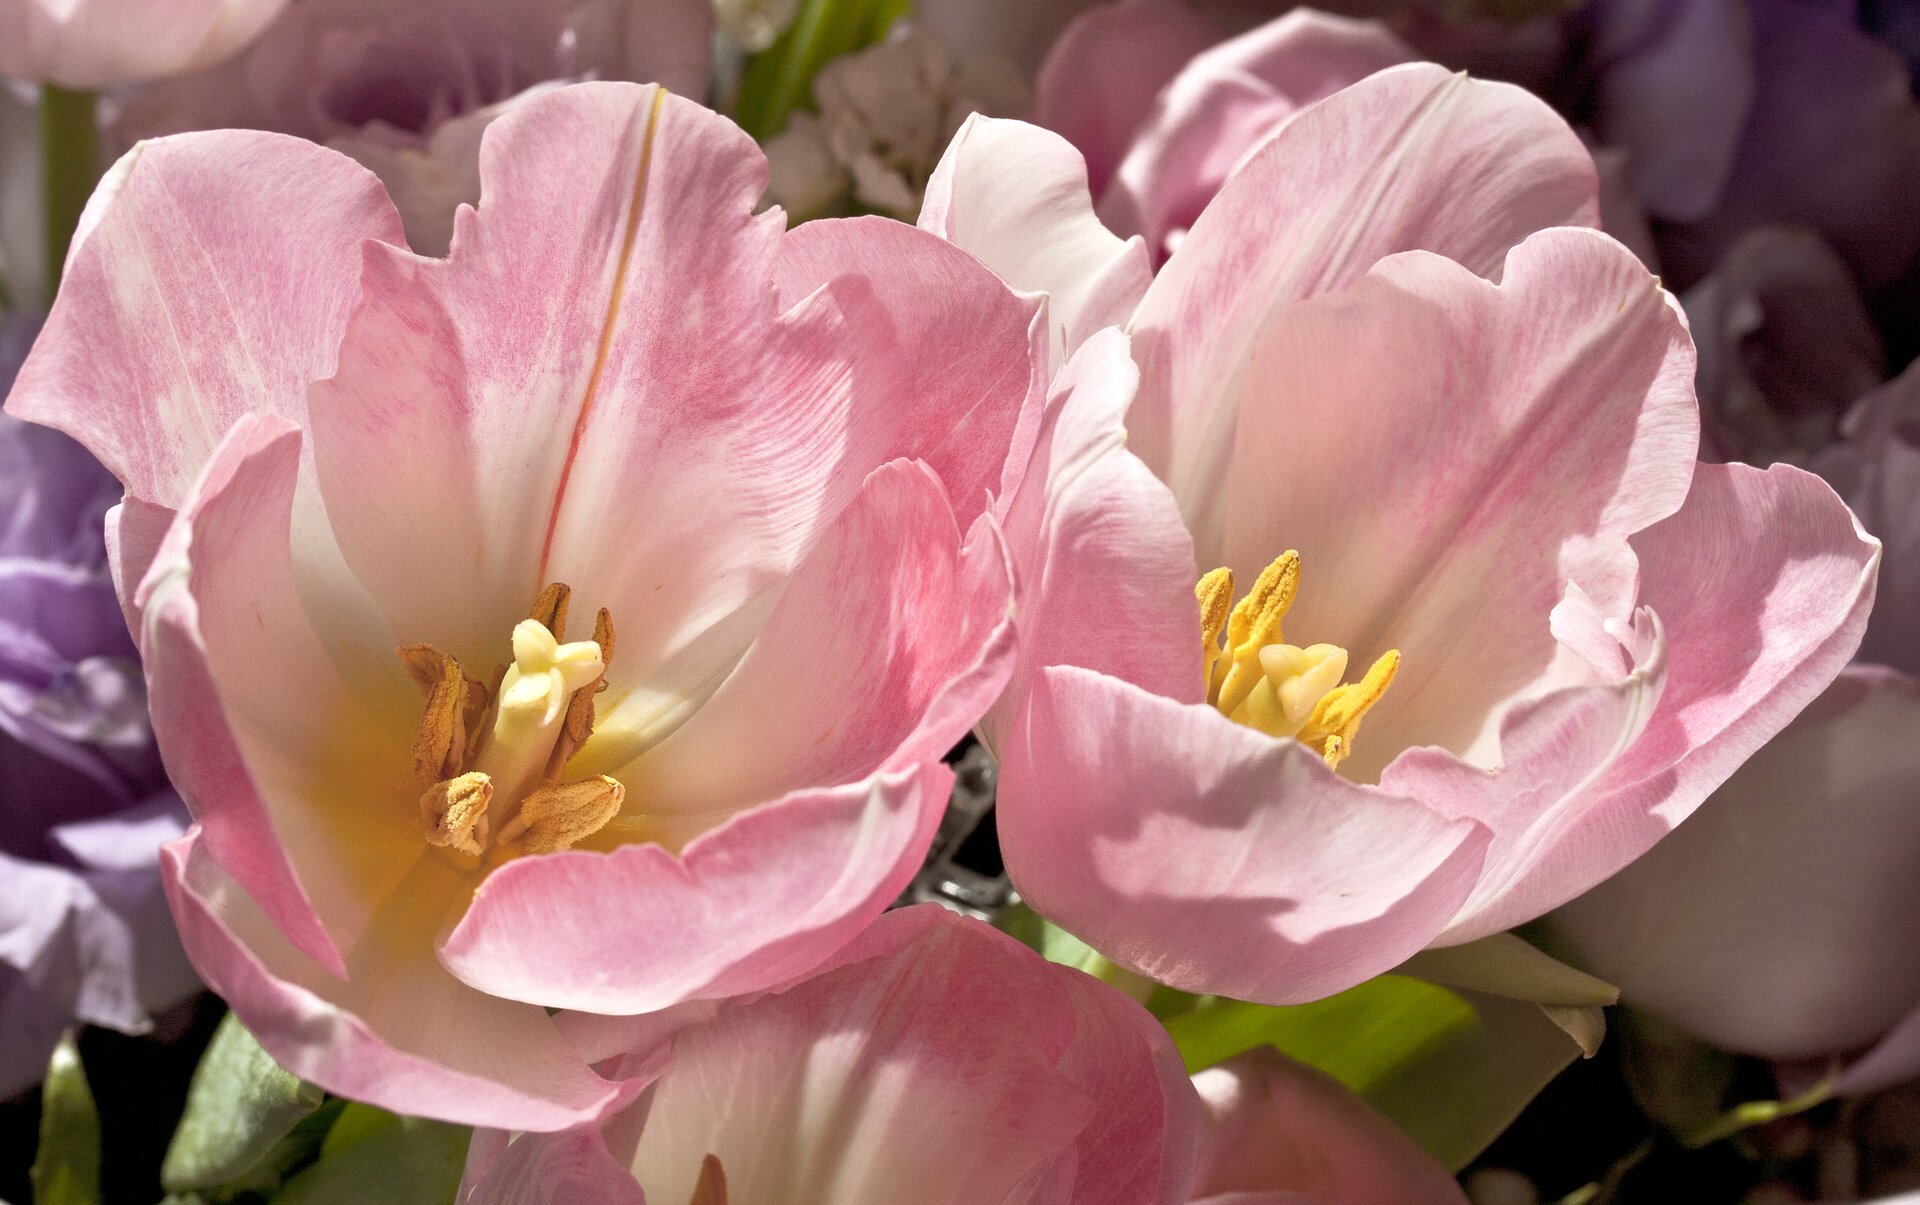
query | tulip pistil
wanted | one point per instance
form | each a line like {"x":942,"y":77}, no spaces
{"x":497,"y":786}
{"x":1281,"y":689}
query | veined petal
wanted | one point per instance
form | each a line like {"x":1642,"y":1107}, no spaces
{"x":862,"y":1085}
{"x":1762,"y":582}
{"x":1225,"y":103}
{"x":1415,"y":436}
{"x":402,"y":1033}
{"x":1213,"y":857}
{"x":1409,"y":158}
{"x":756,"y":901}
{"x":888,"y":643}
{"x":1015,"y":196}
{"x":1104,"y":566}
{"x":213,"y":281}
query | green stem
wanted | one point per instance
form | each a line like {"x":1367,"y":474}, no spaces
{"x":70,"y":163}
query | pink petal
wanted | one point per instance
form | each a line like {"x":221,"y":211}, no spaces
{"x":864,"y":1085}
{"x":1098,"y":83}
{"x":1225,"y":103}
{"x":1762,"y":923}
{"x":758,"y":900}
{"x":1416,"y":438}
{"x":895,"y":635}
{"x":1762,"y":581}
{"x":97,"y":43}
{"x":403,"y":1034}
{"x":1105,"y":567}
{"x":214,"y":282}
{"x":1212,"y":857}
{"x":1883,"y":439}
{"x":1276,"y":1125}
{"x":1015,"y":197}
{"x":647,"y":424}
{"x":564,"y":1169}
{"x":1411,"y":157}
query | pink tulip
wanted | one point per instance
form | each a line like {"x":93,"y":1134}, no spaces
{"x":935,"y":1060}
{"x":408,"y":89}
{"x":763,"y":457}
{"x":1379,"y":346}
{"x":98,"y":43}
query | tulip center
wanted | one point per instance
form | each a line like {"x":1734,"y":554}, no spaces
{"x":1284,"y":690}
{"x":492,"y":758}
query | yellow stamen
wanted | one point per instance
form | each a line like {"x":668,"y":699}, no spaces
{"x":1254,"y":624}
{"x":455,"y":813}
{"x":1337,"y":718}
{"x":1281,"y":689}
{"x":1215,"y":593}
{"x":555,"y":816}
{"x":712,"y":1187}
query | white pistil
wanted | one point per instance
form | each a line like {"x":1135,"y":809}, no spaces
{"x":533,"y":704}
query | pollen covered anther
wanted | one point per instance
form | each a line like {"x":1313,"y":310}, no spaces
{"x":454,"y":813}
{"x":442,"y":745}
{"x":558,"y":815}
{"x":1255,"y":678}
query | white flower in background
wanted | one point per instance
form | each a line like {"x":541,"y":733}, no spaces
{"x":755,"y":23}
{"x":886,"y":114}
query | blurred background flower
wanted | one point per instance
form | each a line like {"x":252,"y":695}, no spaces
{"x":96,"y":43}
{"x":84,"y":932}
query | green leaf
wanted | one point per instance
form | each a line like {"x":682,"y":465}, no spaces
{"x":240,"y":1106}
{"x":1359,"y":1036}
{"x":66,"y":1171}
{"x":1462,"y":1093}
{"x":1505,"y":965}
{"x":372,"y":1155}
{"x":779,"y":79}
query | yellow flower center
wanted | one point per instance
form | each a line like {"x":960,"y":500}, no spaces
{"x":1257,"y":679}
{"x":496,"y":788}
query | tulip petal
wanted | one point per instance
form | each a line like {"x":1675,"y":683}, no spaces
{"x":1275,"y":1125}
{"x":1212,"y":857}
{"x":889,"y":642}
{"x":1427,"y":488}
{"x":1099,"y":81}
{"x":214,"y":282}
{"x":402,"y":1034}
{"x":1105,"y":567}
{"x":756,"y":901}
{"x":1225,"y":103}
{"x":1762,"y":582}
{"x":863,"y":1084}
{"x":1015,"y":196}
{"x":1760,"y":923}
{"x":1409,"y":158}
{"x":564,"y":1169}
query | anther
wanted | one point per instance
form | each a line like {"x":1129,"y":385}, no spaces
{"x":454,"y":813}
{"x":455,"y":705}
{"x":554,"y":817}
{"x":712,"y":1186}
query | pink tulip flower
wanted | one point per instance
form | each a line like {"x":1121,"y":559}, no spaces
{"x":1439,"y":444}
{"x":938,"y":1061}
{"x":408,"y":89}
{"x":98,"y":43}
{"x":363,"y":487}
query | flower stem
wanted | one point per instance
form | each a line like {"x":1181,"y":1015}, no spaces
{"x":70,"y":163}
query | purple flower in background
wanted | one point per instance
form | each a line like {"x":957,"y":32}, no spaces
{"x":84,"y":930}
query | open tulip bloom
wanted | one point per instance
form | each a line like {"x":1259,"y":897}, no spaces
{"x":1473,"y":629}
{"x":575,"y":622}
